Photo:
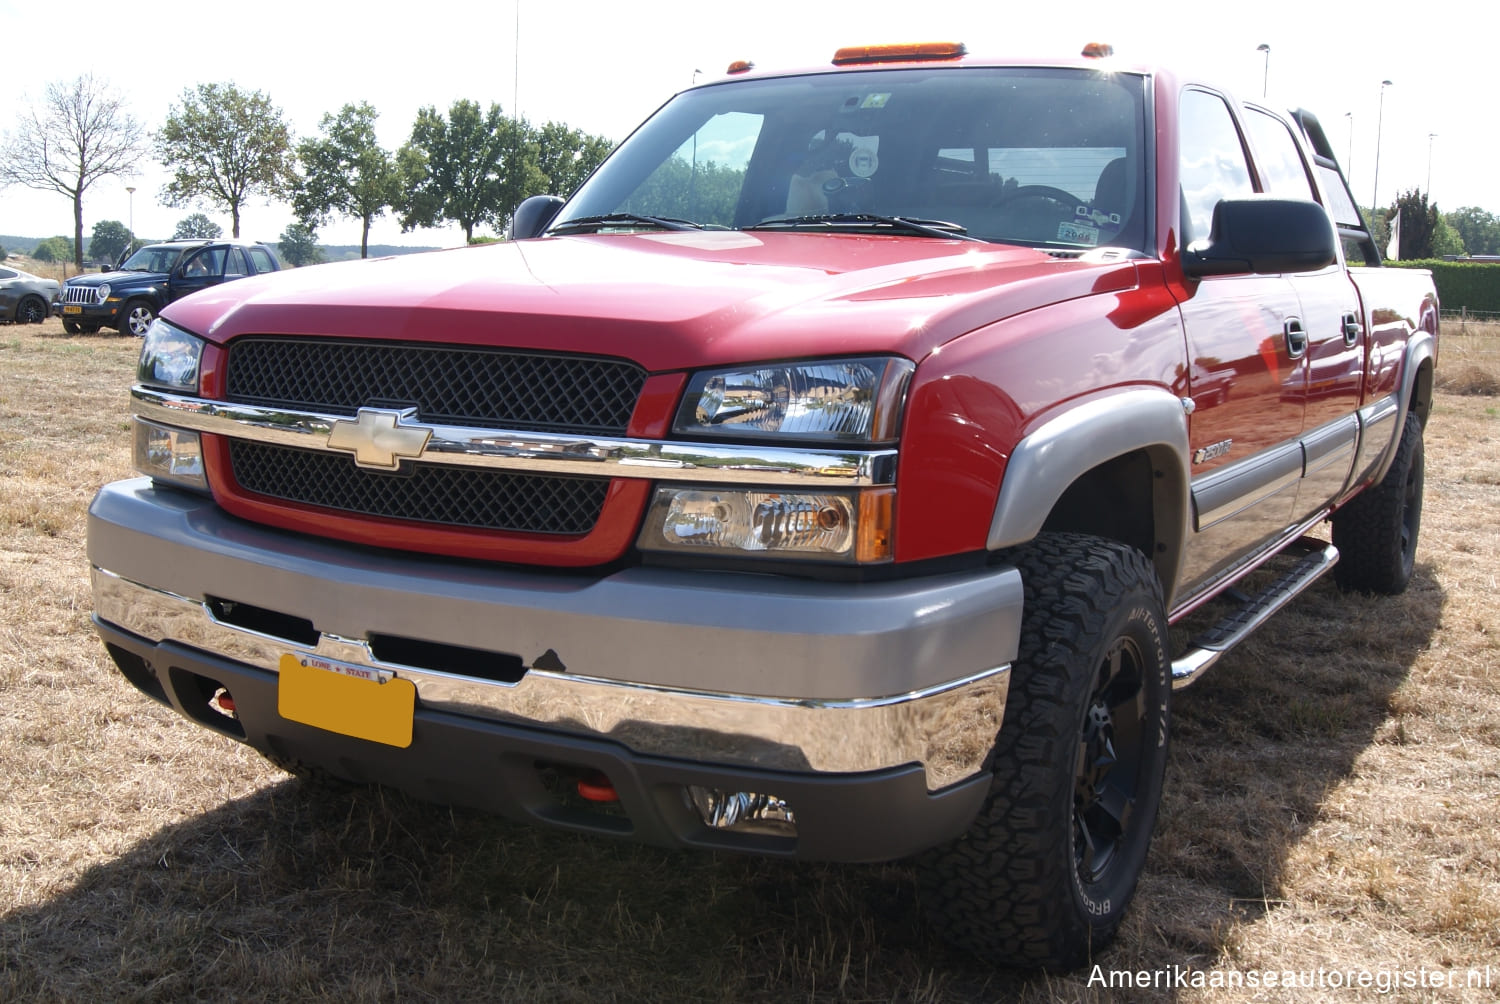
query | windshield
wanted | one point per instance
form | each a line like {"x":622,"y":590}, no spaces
{"x":1044,"y":157}
{"x":152,"y":259}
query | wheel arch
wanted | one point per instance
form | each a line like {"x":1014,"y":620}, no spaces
{"x":1129,"y":447}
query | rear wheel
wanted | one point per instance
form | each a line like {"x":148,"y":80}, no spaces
{"x":136,"y":318}
{"x":1043,"y":877}
{"x":1376,"y":533}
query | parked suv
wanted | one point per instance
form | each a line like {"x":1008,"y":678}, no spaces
{"x":130,"y":297}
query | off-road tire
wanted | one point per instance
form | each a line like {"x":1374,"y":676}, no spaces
{"x":1018,"y":888}
{"x":1376,"y":533}
{"x":72,"y":327}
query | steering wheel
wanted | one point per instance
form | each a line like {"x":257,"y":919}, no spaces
{"x":1039,"y":192}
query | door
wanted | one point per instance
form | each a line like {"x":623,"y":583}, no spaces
{"x":1336,"y":339}
{"x":198,"y":270}
{"x":1247,"y":340}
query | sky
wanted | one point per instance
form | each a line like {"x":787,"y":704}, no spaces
{"x":603,"y":67}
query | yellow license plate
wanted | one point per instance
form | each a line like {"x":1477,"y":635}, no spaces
{"x":347,"y":699}
{"x":72,"y":310}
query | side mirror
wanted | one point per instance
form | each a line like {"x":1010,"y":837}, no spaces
{"x":533,"y":215}
{"x":1263,"y":235}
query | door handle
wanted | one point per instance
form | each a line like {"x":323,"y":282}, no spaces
{"x":1351,"y":330}
{"x":1296,"y":338}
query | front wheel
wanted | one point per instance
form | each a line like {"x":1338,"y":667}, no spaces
{"x":137,"y":318}
{"x":1043,"y":876}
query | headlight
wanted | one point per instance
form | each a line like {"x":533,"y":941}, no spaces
{"x":169,"y":357}
{"x":848,"y":526}
{"x":101,"y":292}
{"x":832,"y":399}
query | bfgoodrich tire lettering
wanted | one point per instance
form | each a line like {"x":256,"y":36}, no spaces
{"x":1376,"y":533}
{"x":1044,"y":875}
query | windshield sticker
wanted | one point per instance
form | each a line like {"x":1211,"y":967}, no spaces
{"x":1077,"y":233}
{"x":1097,"y":218}
{"x":875,"y":100}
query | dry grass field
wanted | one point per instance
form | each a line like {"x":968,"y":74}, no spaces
{"x":1333,"y":800}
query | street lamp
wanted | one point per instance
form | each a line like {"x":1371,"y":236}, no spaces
{"x":1379,"y":121}
{"x":1265,"y":80}
{"x":1430,"y":137}
{"x":130,"y":190}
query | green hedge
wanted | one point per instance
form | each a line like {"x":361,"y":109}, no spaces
{"x":1460,"y":284}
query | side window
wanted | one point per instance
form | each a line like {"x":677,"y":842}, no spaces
{"x":261,"y":259}
{"x":208,"y":262}
{"x":1281,"y":168}
{"x":234,"y":264}
{"x":6,"y":273}
{"x":1213,"y":165}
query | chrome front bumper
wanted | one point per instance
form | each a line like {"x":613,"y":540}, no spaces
{"x":748,"y":671}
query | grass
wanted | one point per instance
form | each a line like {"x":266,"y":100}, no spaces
{"x":1332,"y":800}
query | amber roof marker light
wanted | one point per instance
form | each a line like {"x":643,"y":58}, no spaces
{"x":905,"y":52}
{"x":740,"y":66}
{"x":1097,"y":50}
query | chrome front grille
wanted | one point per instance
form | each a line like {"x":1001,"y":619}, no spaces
{"x":427,"y":493}
{"x":80,"y":294}
{"x":458,"y":385}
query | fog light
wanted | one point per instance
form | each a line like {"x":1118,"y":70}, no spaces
{"x":168,"y":454}
{"x":743,"y":811}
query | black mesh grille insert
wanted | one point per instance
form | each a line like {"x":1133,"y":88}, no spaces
{"x":431,"y":493}
{"x":457,"y":385}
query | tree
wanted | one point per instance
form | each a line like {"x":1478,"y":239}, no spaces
{"x":471,"y":167}
{"x":1446,"y":241}
{"x":56,"y":249}
{"x":225,"y":146}
{"x":299,"y":245}
{"x":197,"y":226}
{"x":566,"y":157}
{"x":109,"y":241}
{"x":1418,"y":224}
{"x":1479,"y":230}
{"x":80,"y":134}
{"x":346,"y":172}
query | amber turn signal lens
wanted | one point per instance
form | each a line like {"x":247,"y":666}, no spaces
{"x":877,"y":525}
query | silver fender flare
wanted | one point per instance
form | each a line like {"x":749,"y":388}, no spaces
{"x":1084,"y":435}
{"x":1420,"y":348}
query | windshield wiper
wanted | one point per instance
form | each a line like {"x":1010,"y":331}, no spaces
{"x":904,"y":224}
{"x":623,"y":219}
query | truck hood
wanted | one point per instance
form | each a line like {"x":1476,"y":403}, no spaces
{"x":669,"y":301}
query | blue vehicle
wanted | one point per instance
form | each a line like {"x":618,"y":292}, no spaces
{"x":129,"y":298}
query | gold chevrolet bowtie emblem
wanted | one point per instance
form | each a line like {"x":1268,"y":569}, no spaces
{"x":377,"y":439}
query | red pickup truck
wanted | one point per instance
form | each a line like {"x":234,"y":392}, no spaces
{"x":820,"y":480}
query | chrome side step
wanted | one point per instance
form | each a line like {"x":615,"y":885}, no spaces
{"x":1316,"y":557}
